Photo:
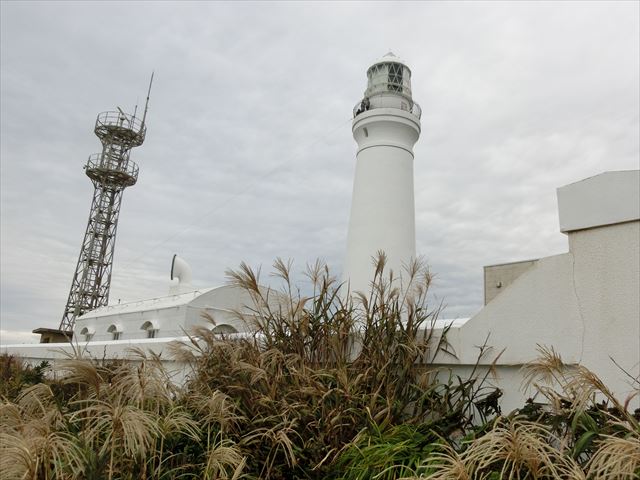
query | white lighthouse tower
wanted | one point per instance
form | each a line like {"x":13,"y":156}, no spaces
{"x":386,"y":125}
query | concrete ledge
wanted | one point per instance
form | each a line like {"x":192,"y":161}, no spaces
{"x":605,"y":199}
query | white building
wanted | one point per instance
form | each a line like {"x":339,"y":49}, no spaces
{"x":153,"y":324}
{"x":169,"y":316}
{"x":584,"y":303}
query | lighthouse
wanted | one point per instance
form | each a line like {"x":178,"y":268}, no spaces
{"x":386,"y":125}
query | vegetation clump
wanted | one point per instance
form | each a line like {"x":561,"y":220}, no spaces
{"x":328,"y":385}
{"x":15,"y":375}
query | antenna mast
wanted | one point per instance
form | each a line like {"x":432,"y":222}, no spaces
{"x":146,"y":105}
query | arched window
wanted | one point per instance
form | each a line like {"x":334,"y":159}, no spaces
{"x":115,"y":331}
{"x":151,"y":328}
{"x":224,"y":329}
{"x":87,"y":332}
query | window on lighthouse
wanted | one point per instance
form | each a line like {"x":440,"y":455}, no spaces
{"x":395,"y":77}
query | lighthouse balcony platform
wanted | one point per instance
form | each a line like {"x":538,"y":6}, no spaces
{"x":391,"y":101}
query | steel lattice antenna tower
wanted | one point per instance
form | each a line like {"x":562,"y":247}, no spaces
{"x":110,"y":171}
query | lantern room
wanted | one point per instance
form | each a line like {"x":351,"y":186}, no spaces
{"x":389,"y":75}
{"x":388,"y":86}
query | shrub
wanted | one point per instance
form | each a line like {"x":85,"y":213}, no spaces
{"x":319,"y":369}
{"x":582,"y":432}
{"x":15,"y":375}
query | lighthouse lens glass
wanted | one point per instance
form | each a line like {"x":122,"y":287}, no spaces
{"x":395,"y":77}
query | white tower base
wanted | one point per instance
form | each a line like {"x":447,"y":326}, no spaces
{"x":382,"y":209}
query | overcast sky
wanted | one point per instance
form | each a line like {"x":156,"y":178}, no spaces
{"x":249,"y":153}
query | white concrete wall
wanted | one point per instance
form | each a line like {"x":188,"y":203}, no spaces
{"x":607,"y":285}
{"x":499,"y":277}
{"x":173,"y":315}
{"x":33,"y":354}
{"x":168,"y":320}
{"x":584,"y":303}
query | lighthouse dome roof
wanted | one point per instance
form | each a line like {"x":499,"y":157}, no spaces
{"x":390,"y":57}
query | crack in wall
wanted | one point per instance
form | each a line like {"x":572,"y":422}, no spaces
{"x":578,"y":302}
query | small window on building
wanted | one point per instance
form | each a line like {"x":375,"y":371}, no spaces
{"x":150,"y":328}
{"x":86,"y":333}
{"x":115,"y":332}
{"x":224,"y":329}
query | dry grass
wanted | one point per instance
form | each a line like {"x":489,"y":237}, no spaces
{"x":37,"y":453}
{"x":520,"y":450}
{"x":322,"y":369}
{"x":224,"y":461}
{"x":578,"y":435}
{"x":575,"y":385}
{"x":616,"y":457}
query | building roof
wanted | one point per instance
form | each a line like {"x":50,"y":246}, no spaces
{"x":149,"y":304}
